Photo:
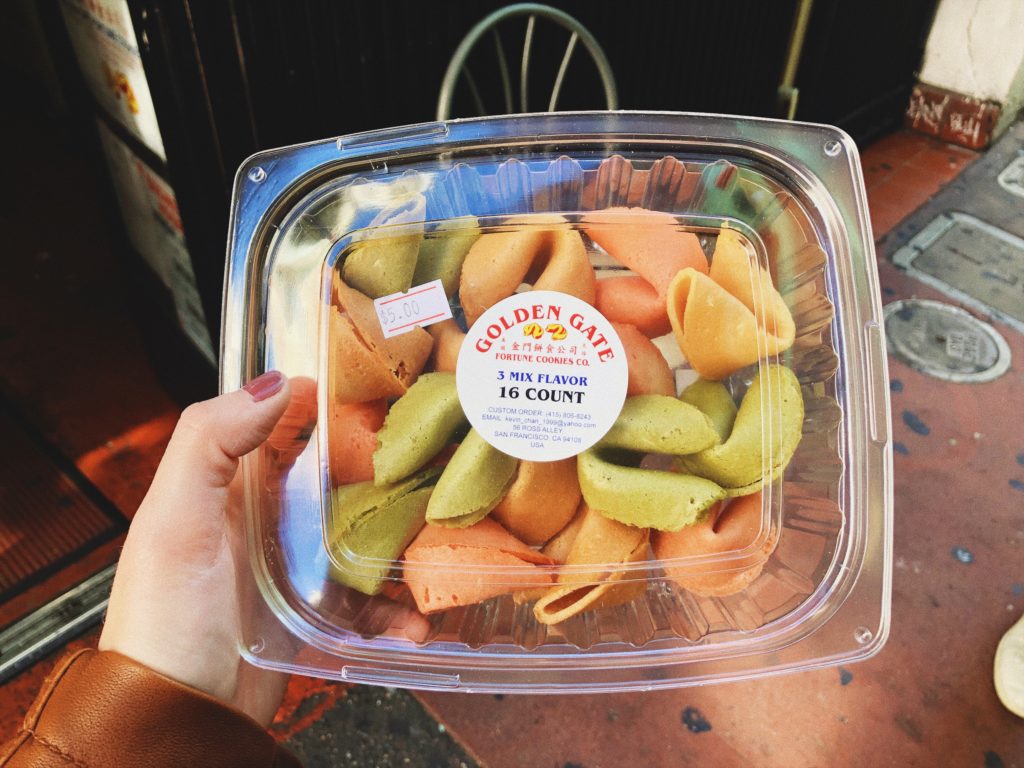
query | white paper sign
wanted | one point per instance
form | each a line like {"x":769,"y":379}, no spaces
{"x":419,"y":307}
{"x":103,"y":37}
{"x":542,"y":376}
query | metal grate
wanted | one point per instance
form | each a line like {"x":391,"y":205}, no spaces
{"x":970,"y":260}
{"x":50,"y":515}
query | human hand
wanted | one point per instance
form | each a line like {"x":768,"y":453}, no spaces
{"x":174,"y":606}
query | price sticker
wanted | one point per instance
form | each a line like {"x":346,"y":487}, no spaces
{"x":420,"y":306}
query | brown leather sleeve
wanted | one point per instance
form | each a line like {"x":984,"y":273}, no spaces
{"x":99,"y":709}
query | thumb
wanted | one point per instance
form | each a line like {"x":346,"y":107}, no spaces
{"x":202,"y":456}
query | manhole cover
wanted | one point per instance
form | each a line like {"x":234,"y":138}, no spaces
{"x":972,"y":261}
{"x":1011,"y":178}
{"x":945,"y":341}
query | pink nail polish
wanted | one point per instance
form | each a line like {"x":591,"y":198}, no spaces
{"x":265,"y":385}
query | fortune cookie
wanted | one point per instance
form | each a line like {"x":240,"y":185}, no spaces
{"x":557,"y":549}
{"x":449,"y":567}
{"x":736,"y":527}
{"x":731,"y":319}
{"x":442,"y":252}
{"x":448,"y":338}
{"x":364,"y":365}
{"x":561,"y":543}
{"x":715,"y":402}
{"x":384,"y":265}
{"x":648,"y":242}
{"x":660,"y":424}
{"x":632,"y":300}
{"x":738,"y":464}
{"x":646,"y":498}
{"x":599,"y":542}
{"x":552,"y":259}
{"x":647,"y":368}
{"x":474,"y":481}
{"x":420,"y":423}
{"x":375,"y":523}
{"x":541,"y":500}
{"x":353,"y":440}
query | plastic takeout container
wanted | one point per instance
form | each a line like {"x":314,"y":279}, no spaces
{"x":586,"y":401}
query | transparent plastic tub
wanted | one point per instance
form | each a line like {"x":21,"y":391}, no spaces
{"x":583,"y":402}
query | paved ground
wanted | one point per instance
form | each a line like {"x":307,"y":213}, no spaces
{"x":926,"y":700}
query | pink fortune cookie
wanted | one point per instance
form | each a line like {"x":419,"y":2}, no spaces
{"x":449,"y":567}
{"x":632,"y":300}
{"x":649,"y":373}
{"x":730,"y":319}
{"x":353,"y":439}
{"x":552,"y":259}
{"x":735,"y":528}
{"x":650,"y":243}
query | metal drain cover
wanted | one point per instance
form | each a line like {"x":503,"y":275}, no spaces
{"x":945,"y":341}
{"x":976,"y":263}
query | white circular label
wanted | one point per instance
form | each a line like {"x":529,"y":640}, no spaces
{"x":542,"y":375}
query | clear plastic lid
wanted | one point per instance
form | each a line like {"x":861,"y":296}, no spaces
{"x":581,"y":402}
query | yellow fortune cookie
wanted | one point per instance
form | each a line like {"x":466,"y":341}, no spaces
{"x":474,"y":481}
{"x":739,"y":463}
{"x":646,"y":498}
{"x":604,"y":544}
{"x":731,"y":318}
{"x":420,"y":423}
{"x":369,"y":526}
{"x":541,"y":501}
{"x":552,"y":259}
{"x":381,"y":266}
{"x":660,"y":424}
{"x":557,"y":549}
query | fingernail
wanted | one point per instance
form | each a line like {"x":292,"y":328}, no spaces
{"x":265,"y":385}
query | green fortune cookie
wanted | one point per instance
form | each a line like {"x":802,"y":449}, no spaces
{"x":645,"y":498}
{"x":738,"y":464}
{"x":369,"y":522}
{"x":384,"y":265}
{"x":420,"y":423}
{"x":475,"y":480}
{"x":442,"y":252}
{"x":715,"y":402}
{"x":661,"y":424}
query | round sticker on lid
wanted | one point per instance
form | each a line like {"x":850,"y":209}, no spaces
{"x":542,"y":375}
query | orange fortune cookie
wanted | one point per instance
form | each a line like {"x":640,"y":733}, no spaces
{"x":599,"y":542}
{"x":365,"y":365}
{"x":448,"y":338}
{"x":552,"y":259}
{"x":541,"y":501}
